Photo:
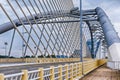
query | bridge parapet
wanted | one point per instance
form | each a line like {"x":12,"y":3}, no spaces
{"x":39,"y":60}
{"x":12,"y":60}
{"x":67,"y":72}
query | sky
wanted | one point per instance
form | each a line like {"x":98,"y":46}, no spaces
{"x":111,"y":7}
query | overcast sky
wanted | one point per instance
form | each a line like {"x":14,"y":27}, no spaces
{"x":111,"y":7}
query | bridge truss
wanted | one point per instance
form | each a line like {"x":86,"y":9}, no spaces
{"x":51,"y":28}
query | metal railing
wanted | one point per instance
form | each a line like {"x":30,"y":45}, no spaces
{"x":61,"y":72}
{"x":17,"y":76}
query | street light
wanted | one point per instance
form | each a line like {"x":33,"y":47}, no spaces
{"x":35,"y":50}
{"x":5,"y":43}
{"x":23,"y":45}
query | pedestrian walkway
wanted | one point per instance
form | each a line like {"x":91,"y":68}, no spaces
{"x":103,"y":73}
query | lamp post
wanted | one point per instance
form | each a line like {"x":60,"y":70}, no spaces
{"x":23,"y":45}
{"x":36,"y":56}
{"x":5,"y":43}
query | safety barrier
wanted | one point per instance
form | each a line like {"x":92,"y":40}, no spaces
{"x":101,"y":61}
{"x":61,"y":72}
{"x":38,"y":60}
{"x":89,"y":66}
{"x":50,"y":60}
{"x":11,"y":60}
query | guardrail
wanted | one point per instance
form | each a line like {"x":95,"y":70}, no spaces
{"x":38,"y":60}
{"x":61,"y":72}
{"x":89,"y":66}
{"x":50,"y":60}
{"x":11,"y":60}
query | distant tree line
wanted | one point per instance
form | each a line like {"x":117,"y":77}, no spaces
{"x":2,"y":56}
{"x":41,"y":56}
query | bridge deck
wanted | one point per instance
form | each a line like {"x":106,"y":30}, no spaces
{"x":18,"y":67}
{"x":103,"y":73}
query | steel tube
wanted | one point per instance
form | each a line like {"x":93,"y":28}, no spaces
{"x":108,"y":29}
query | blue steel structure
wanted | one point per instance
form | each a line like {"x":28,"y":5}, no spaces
{"x":108,"y":29}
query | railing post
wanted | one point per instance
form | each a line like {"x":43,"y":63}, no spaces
{"x":66,"y":72}
{"x":1,"y":76}
{"x":41,"y":74}
{"x":71,"y":72}
{"x":60,"y":72}
{"x":25,"y":75}
{"x":75,"y":70}
{"x":80,"y":69}
{"x":52,"y":73}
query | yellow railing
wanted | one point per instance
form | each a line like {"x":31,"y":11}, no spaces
{"x":62,"y":72}
{"x":101,"y":61}
{"x":38,"y":60}
{"x":89,"y":66}
{"x":51,"y":60}
{"x":11,"y":60}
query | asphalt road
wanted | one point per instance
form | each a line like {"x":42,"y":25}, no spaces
{"x":17,"y":69}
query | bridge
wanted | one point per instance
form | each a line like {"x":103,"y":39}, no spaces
{"x":53,"y":40}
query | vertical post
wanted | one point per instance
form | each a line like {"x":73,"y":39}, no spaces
{"x":71,"y":72}
{"x":66,"y":72}
{"x":81,"y":58}
{"x":36,"y":59}
{"x":26,"y":60}
{"x":60,"y":72}
{"x":80,"y":69}
{"x":41,"y":74}
{"x":74,"y":73}
{"x":81,"y":31}
{"x":52,"y":73}
{"x":25,"y":75}
{"x":5,"y":43}
{"x":1,"y":76}
{"x":76,"y":70}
